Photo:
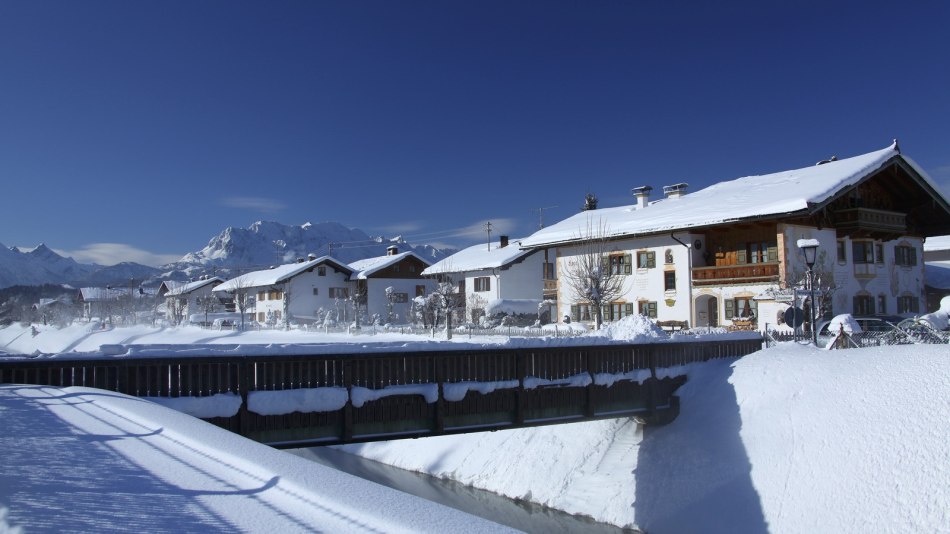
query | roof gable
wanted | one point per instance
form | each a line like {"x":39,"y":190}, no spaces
{"x":366,"y":268}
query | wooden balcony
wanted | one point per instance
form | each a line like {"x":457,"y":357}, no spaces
{"x":870,"y":222}
{"x":750,"y":273}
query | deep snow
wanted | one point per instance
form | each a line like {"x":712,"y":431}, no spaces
{"x":788,"y":439}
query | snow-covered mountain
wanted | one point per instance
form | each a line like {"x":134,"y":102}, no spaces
{"x":43,"y":266}
{"x":234,"y":250}
{"x":266,"y":243}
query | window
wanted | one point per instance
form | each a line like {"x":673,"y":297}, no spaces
{"x":261,"y":295}
{"x":617,"y":310}
{"x":882,"y":304}
{"x":669,"y":281}
{"x":757,"y":252}
{"x":321,"y":271}
{"x":396,"y":268}
{"x":740,"y":308}
{"x":400,"y":298}
{"x":547,"y":271}
{"x":619,"y":264}
{"x":316,"y":291}
{"x":482,"y":283}
{"x":647,"y":308}
{"x":420,"y":291}
{"x":905,"y":256}
{"x":908,"y":305}
{"x":668,"y":256}
{"x":339,"y":292}
{"x":581,"y":312}
{"x":863,"y":252}
{"x":261,"y":317}
{"x":842,"y":251}
{"x":412,"y":268}
{"x":863,"y":257}
{"x":863,"y":305}
{"x":646,"y":260}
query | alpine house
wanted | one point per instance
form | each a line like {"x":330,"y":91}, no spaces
{"x":728,"y":255}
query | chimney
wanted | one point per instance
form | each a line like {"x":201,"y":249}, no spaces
{"x":300,"y":260}
{"x":502,"y":241}
{"x":311,"y":256}
{"x":642,"y":194}
{"x":675,"y":190}
{"x":392,"y":250}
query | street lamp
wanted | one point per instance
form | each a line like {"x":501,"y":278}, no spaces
{"x":810,"y":249}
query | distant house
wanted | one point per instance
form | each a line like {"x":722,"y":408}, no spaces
{"x":499,"y":278}
{"x":114,"y":303}
{"x":186,"y":299}
{"x":727,"y":255}
{"x":305,"y":291}
{"x":397,"y":276}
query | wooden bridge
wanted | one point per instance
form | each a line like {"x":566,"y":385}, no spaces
{"x":297,"y":401}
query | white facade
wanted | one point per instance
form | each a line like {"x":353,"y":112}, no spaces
{"x":514,"y":282}
{"x":305,"y":297}
{"x":657,"y":283}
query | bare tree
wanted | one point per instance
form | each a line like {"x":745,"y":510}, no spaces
{"x":241,"y":291}
{"x":475,"y":306}
{"x":589,"y":274}
{"x":447,"y":298}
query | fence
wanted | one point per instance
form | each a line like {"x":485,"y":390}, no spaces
{"x":493,"y":388}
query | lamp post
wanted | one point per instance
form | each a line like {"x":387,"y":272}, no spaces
{"x":810,"y":250}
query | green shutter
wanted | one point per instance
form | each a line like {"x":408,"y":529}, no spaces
{"x":730,"y":308}
{"x":773,"y":254}
{"x":628,"y":309}
{"x":628,"y":264}
{"x":652,"y":307}
{"x":651,"y":259}
{"x":741,"y":253}
{"x":574,"y":314}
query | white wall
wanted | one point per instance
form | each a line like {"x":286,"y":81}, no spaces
{"x":377,"y":303}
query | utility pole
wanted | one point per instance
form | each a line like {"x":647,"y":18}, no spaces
{"x":488,"y":228}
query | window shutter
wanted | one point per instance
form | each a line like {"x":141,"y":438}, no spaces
{"x":854,"y":305}
{"x":628,"y":309}
{"x":730,"y":308}
{"x":651,"y":259}
{"x":574,"y":312}
{"x":754,"y":306}
{"x":913,"y":256}
{"x":652,"y":307}
{"x":628,"y":264}
{"x":773,"y":254}
{"x":741,"y":253}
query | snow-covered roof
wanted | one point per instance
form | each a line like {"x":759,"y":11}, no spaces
{"x":281,"y":273}
{"x":794,"y":191}
{"x":478,"y":257}
{"x":940,"y":242}
{"x":184,"y":289}
{"x":91,"y":294}
{"x":366,"y":267}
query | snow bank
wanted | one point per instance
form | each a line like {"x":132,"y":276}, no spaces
{"x":789,"y":439}
{"x":632,"y":328}
{"x":219,"y":405}
{"x":513,"y":306}
{"x":327,"y":399}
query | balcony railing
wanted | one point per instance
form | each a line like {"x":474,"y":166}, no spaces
{"x":735,"y":274}
{"x":871,"y":221}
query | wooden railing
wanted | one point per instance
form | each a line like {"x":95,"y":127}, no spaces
{"x":871,"y":221}
{"x":529,"y":386}
{"x":735,"y":274}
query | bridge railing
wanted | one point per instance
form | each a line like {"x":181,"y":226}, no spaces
{"x":512,"y":387}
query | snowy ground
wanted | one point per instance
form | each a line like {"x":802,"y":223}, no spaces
{"x":790,"y":439}
{"x":87,"y":460}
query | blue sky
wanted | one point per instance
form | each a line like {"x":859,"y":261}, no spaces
{"x":136,"y":131}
